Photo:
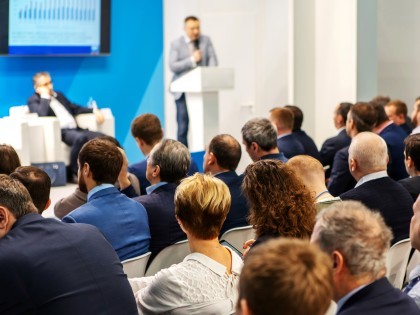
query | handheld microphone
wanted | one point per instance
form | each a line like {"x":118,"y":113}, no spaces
{"x":196,"y":44}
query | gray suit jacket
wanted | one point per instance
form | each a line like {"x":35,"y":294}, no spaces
{"x":180,"y":57}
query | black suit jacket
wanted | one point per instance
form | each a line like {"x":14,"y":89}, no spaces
{"x":275,"y":156}
{"x":164,"y":228}
{"x":379,"y":298}
{"x":331,"y":146}
{"x":340,"y":178}
{"x":412,"y":184}
{"x":307,"y":142}
{"x":290,"y":146}
{"x":407,"y":129}
{"x":239,"y":210}
{"x":50,"y":267}
{"x":390,"y":199}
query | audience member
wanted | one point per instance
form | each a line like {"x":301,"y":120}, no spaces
{"x":307,"y":142}
{"x":412,"y":165}
{"x":280,"y":204}
{"x":9,"y":159}
{"x":368,"y":159}
{"x":282,"y":118}
{"x":167,"y":164}
{"x":332,"y":145}
{"x":38,"y":184}
{"x":285,"y":277}
{"x":47,"y":102}
{"x":147,"y":131}
{"x":394,"y":137}
{"x":357,"y":239}
{"x":396,"y":111}
{"x":380,"y":100}
{"x":49,"y":267}
{"x":361,"y":117}
{"x":416,"y":117}
{"x":127,"y":183}
{"x":221,"y":160}
{"x":311,"y":173}
{"x":121,"y":220}
{"x":260,"y":139}
{"x":413,"y":287}
{"x":206,"y":281}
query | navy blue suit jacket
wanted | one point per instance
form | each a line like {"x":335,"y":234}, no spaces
{"x":275,"y":156}
{"x":340,"y":178}
{"x":407,"y":129}
{"x":307,"y":142}
{"x":121,"y":220}
{"x":330,"y":147}
{"x":394,"y":137}
{"x":164,"y":227}
{"x":390,"y":199}
{"x":412,"y":184}
{"x":239,"y":210}
{"x":49,"y":267}
{"x":379,"y":298}
{"x":139,"y":169}
{"x":290,"y":146}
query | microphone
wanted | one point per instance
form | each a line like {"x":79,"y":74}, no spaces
{"x":196,"y":44}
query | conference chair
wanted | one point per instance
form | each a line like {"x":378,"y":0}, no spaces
{"x":169,"y":256}
{"x":237,"y":236}
{"x":16,"y":134}
{"x":136,"y":267}
{"x":397,"y":261}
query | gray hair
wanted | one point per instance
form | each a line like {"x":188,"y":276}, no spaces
{"x":173,"y":158}
{"x":38,"y":75}
{"x":15,"y":197}
{"x":370,"y":152}
{"x":262,"y":132}
{"x":359,"y":234}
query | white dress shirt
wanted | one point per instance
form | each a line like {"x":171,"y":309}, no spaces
{"x":65,"y":119}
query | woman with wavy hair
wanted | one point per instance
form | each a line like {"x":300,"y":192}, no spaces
{"x":280,"y":204}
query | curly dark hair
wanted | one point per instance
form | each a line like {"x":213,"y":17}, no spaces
{"x":280,"y":204}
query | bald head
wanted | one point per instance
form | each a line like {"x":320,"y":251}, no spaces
{"x":309,"y":170}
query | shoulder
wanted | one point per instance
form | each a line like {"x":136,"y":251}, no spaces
{"x":34,"y":97}
{"x":178,"y":41}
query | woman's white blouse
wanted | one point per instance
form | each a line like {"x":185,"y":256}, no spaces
{"x":197,"y":285}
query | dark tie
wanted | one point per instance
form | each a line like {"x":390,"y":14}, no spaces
{"x":411,"y":284}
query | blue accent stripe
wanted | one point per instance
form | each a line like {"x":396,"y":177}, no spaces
{"x":53,"y":50}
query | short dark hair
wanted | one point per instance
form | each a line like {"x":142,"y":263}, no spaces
{"x":343,"y":109}
{"x":412,"y":149}
{"x":147,"y":127}
{"x":104,"y":159}
{"x":380,"y":100}
{"x":364,"y":116}
{"x":283,"y":116}
{"x":9,"y":159}
{"x":400,"y":107}
{"x":297,"y":115}
{"x":37,"y":182}
{"x":191,"y":18}
{"x":110,"y":139}
{"x":227,"y":151}
{"x":381,"y":115}
{"x":262,"y":132}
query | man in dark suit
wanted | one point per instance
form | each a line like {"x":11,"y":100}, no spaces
{"x":121,"y":220}
{"x":396,"y":111}
{"x":260,"y":139}
{"x":357,"y":240}
{"x":147,"y":131}
{"x":361,"y":117}
{"x":47,"y":102}
{"x":412,"y":165}
{"x":368,"y":157}
{"x":167,"y":164}
{"x":187,"y":52}
{"x":307,"y":142}
{"x":49,"y":267}
{"x":287,"y":142}
{"x":341,"y":140}
{"x":221,"y":160}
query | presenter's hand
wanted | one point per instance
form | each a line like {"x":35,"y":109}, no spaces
{"x":197,"y":56}
{"x":99,"y":116}
{"x":44,"y":91}
{"x":123,"y":176}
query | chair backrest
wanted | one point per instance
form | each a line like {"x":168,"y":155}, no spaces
{"x":168,"y":256}
{"x":237,"y":236}
{"x":18,"y":111}
{"x":397,"y":261}
{"x":136,"y":267}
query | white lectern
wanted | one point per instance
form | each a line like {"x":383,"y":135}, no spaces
{"x":201,"y":87}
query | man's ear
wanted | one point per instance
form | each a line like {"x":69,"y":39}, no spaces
{"x":4,"y":217}
{"x":48,"y":204}
{"x":156,"y":171}
{"x":86,"y":169}
{"x":409,"y":162}
{"x":352,"y":165}
{"x":338,"y":261}
{"x":254,"y":146}
{"x":212,"y":159}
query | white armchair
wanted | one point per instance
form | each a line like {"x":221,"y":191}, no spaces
{"x":16,"y":134}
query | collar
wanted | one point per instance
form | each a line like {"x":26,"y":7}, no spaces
{"x":152,"y":188}
{"x":345,"y":298}
{"x":222,"y":172}
{"x":341,"y":129}
{"x":98,"y":188}
{"x":371,"y":176}
{"x":378,"y":131}
{"x":27,"y":218}
{"x":283,"y":135}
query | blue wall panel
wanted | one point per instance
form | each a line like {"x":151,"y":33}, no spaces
{"x":129,"y":81}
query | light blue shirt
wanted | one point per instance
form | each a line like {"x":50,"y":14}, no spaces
{"x":372,"y":176}
{"x":345,"y":298}
{"x":152,"y":188}
{"x":98,"y":188}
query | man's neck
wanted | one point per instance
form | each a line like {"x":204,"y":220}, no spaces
{"x":378,"y":129}
{"x":216,"y":169}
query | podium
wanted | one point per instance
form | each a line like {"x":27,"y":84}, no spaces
{"x":201,"y":87}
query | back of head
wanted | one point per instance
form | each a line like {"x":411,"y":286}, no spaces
{"x":280,"y":204}
{"x":282,"y":117}
{"x":381,"y":115}
{"x":9,"y":160}
{"x":202,"y":203}
{"x":37,"y":182}
{"x":309,"y":169}
{"x":15,"y":197}
{"x":364,"y":116}
{"x":343,"y":110}
{"x":412,"y":149}
{"x":110,"y":139}
{"x":400,"y":107}
{"x":380,"y":100}
{"x":369,"y":151}
{"x":227,"y":151}
{"x":359,"y":234}
{"x":173,"y":159}
{"x":299,"y":273}
{"x":297,"y":115}
{"x":147,"y":127}
{"x":104,"y":160}
{"x":262,"y":132}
